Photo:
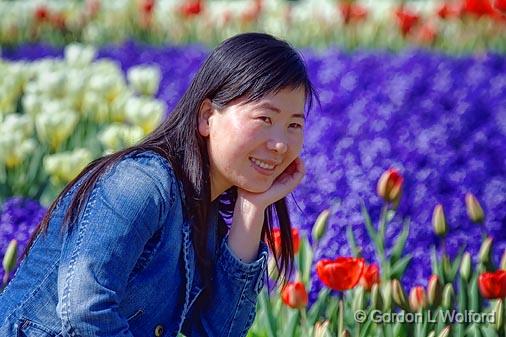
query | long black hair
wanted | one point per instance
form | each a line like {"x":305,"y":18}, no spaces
{"x":251,"y":64}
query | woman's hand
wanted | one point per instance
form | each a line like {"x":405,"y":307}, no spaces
{"x":282,"y":185}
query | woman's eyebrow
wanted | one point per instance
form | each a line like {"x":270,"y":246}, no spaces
{"x":269,"y":106}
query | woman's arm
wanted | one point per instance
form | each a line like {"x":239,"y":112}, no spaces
{"x":124,"y":209}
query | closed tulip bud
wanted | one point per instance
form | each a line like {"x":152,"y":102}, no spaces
{"x":485,"y":250}
{"x":465,"y":267}
{"x":320,"y":226}
{"x":358,"y":300}
{"x":321,"y":329}
{"x":499,"y":314}
{"x":448,"y":295}
{"x":474,"y":210}
{"x":445,"y":332}
{"x":439,"y":221}
{"x":417,"y":298}
{"x":346,"y":333}
{"x":398,"y":295}
{"x":503,"y":261}
{"x":376,"y":297}
{"x":390,"y":186}
{"x":434,"y":291}
{"x":294,"y":295}
{"x":11,"y":256}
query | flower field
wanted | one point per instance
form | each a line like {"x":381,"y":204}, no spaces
{"x":439,"y":120}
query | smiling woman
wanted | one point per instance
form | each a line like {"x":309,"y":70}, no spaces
{"x":136,"y":244}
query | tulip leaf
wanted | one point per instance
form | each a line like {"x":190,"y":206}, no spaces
{"x":364,"y":332}
{"x":400,"y":243}
{"x":400,"y":266}
{"x":305,"y":259}
{"x":368,"y":224}
{"x":474,"y":297}
{"x":318,"y":307}
{"x":291,"y":324}
{"x":488,"y":331}
{"x":456,"y":263}
{"x":351,"y":241}
{"x":436,"y":266}
{"x":270,"y":321}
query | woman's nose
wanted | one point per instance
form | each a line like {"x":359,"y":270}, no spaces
{"x":277,"y":145}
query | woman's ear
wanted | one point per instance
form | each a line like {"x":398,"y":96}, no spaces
{"x":205,"y":111}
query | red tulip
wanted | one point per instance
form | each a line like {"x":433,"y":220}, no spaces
{"x":343,"y":273}
{"x":146,"y":7}
{"x":417,"y":298}
{"x":390,"y":185}
{"x":253,"y":12}
{"x":500,"y":5}
{"x":446,"y":11}
{"x":352,"y":12}
{"x":478,"y":8}
{"x":370,"y":276}
{"x":294,"y":295}
{"x":191,"y":8}
{"x":58,"y":20}
{"x":493,"y":284}
{"x":295,"y":239}
{"x":406,"y":20}
{"x":41,"y":13}
{"x":427,"y":33}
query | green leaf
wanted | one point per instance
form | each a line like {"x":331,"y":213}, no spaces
{"x":305,"y":259}
{"x":456,"y":262}
{"x":474,"y":296}
{"x":351,"y":241}
{"x":400,"y":243}
{"x":318,"y":307}
{"x":270,"y":321}
{"x":366,"y":328}
{"x":398,"y":268}
{"x":291,"y":325}
{"x":368,"y":224}
{"x":436,"y":266}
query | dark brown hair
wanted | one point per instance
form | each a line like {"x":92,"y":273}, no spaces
{"x":251,"y":64}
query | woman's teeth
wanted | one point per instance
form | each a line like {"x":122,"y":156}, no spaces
{"x":262,"y":164}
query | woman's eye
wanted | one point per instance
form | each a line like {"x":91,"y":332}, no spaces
{"x":296,"y":125}
{"x":265,"y":119}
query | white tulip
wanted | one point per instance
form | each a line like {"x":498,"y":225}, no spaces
{"x":55,"y":127}
{"x":119,"y":136}
{"x":79,"y":55}
{"x":145,"y":80}
{"x":145,"y":112}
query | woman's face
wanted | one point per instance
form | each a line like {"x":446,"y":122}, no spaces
{"x":251,"y":144}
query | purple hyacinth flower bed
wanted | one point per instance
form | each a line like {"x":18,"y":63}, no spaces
{"x":18,"y":220}
{"x":439,"y":119}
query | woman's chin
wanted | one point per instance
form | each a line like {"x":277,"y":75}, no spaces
{"x":256,"y":188}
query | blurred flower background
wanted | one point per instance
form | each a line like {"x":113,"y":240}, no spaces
{"x":419,"y":86}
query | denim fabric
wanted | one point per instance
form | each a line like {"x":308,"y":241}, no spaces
{"x":128,"y":268}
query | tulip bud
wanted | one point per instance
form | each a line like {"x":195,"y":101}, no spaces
{"x":445,"y":332}
{"x":358,"y":300}
{"x":474,"y":210}
{"x":320,"y":226}
{"x":390,"y":186}
{"x":503,"y":261}
{"x":346,"y":333}
{"x":417,"y":298}
{"x":294,"y":295}
{"x":321,"y":329}
{"x":485,"y":249}
{"x":448,"y":295}
{"x":398,"y":295}
{"x":273,"y":269}
{"x":439,"y":221}
{"x":434,"y":291}
{"x":465,"y":267}
{"x":11,"y":256}
{"x":376,"y":298}
{"x":432,"y":334}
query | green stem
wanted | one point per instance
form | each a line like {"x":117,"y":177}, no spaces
{"x":340,"y":323}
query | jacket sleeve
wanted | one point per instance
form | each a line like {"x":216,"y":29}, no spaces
{"x":230,"y":308}
{"x":124,"y":209}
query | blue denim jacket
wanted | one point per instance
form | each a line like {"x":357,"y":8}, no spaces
{"x":128,"y":268}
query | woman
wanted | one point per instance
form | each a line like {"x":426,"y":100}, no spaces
{"x":136,"y":244}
